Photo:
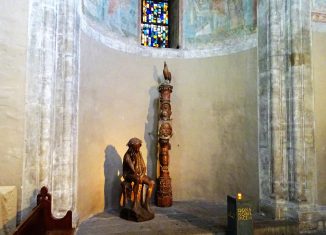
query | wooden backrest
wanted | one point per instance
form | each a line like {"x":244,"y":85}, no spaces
{"x":41,"y":220}
{"x":33,"y":224}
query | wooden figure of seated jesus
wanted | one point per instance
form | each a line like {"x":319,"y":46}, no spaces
{"x":134,"y":173}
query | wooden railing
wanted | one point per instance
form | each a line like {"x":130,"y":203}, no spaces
{"x":41,"y":221}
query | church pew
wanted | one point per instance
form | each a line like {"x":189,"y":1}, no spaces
{"x":41,"y":221}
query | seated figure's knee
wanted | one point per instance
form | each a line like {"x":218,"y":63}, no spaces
{"x":151,"y":183}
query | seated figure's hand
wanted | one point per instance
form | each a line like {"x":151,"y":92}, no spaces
{"x":138,"y":177}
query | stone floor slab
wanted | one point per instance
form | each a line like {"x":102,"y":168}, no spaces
{"x":182,"y":218}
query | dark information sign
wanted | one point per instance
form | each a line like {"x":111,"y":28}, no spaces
{"x":239,"y":213}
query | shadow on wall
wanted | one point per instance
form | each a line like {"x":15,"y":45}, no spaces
{"x":23,"y":214}
{"x":151,"y":128}
{"x":112,"y":173}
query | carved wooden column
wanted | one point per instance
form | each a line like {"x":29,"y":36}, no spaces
{"x":164,"y":192}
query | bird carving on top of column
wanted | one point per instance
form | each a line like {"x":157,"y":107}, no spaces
{"x":166,"y":73}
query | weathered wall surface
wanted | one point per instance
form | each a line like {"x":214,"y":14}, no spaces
{"x":119,"y":16}
{"x":319,"y":73}
{"x":13,"y":44}
{"x":51,"y":104}
{"x":204,"y":23}
{"x":209,"y":22}
{"x":319,"y":5}
{"x":214,"y":105}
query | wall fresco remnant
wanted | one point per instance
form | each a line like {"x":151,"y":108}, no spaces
{"x":205,"y":22}
{"x":319,"y":5}
{"x":120,"y":16}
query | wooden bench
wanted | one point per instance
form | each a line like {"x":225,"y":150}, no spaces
{"x":41,"y":222}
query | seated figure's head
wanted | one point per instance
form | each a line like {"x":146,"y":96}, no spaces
{"x":134,"y":144}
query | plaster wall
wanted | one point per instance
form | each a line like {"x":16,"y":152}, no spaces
{"x":319,"y":73}
{"x":13,"y":45}
{"x":214,"y":105}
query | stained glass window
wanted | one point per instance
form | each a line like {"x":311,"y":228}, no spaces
{"x":155,"y":23}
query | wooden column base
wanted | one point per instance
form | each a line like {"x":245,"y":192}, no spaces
{"x":164,"y":193}
{"x":164,"y":201}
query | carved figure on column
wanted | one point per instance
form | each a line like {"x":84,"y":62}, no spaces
{"x":165,"y":112}
{"x":164,"y":192}
{"x":165,"y":131}
{"x":134,"y":207}
{"x":166,"y":73}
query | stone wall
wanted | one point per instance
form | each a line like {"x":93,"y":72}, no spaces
{"x":287,"y":133}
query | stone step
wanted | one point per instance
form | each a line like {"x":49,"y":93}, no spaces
{"x":272,"y":227}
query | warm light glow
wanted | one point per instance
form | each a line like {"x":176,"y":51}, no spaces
{"x":239,"y":196}
{"x":121,"y":200}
